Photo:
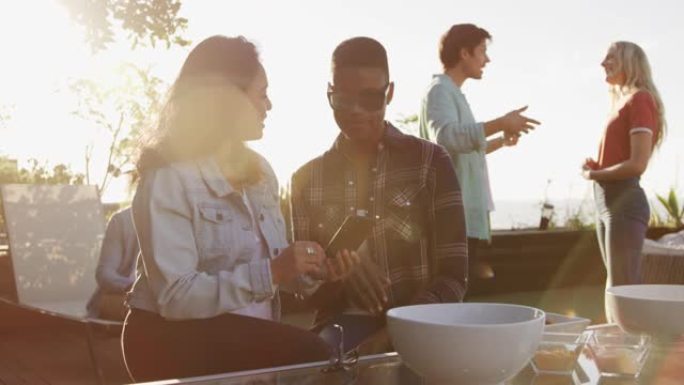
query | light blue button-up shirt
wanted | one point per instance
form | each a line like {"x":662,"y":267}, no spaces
{"x":446,"y":119}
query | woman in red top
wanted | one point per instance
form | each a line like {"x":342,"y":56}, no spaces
{"x":635,"y":127}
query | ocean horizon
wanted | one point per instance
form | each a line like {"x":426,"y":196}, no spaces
{"x":526,"y":214}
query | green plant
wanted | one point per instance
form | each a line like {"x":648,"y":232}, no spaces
{"x":577,"y":222}
{"x":577,"y":218}
{"x":674,"y":210}
{"x":656,"y":220}
{"x":36,"y":173}
{"x":408,"y":124}
{"x":121,"y":113}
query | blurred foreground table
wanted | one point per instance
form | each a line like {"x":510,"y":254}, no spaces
{"x":664,"y":366}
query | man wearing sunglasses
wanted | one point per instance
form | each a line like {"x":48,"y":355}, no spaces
{"x":446,"y":118}
{"x":416,"y":251}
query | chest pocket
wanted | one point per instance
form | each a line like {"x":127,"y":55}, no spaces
{"x":215,"y":229}
{"x":406,"y":212}
{"x":273,"y":223}
{"x":325,"y":220}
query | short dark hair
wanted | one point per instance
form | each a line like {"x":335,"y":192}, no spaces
{"x":360,"y":52}
{"x":458,"y":37}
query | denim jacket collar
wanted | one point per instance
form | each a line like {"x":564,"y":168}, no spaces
{"x":213,"y":177}
{"x":219,"y":185}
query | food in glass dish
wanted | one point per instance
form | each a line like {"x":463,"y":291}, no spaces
{"x":618,"y":354}
{"x":558,"y":352}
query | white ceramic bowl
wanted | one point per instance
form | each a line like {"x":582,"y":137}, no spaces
{"x":656,"y":310}
{"x":465,"y":343}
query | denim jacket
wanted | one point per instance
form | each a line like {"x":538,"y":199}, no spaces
{"x":199,"y":257}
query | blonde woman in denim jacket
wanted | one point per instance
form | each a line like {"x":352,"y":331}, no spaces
{"x":212,"y":237}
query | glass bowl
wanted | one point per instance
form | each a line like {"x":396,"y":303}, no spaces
{"x":558,"y":352}
{"x":618,"y":354}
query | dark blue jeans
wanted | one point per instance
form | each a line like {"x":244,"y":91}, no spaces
{"x":622,"y":220}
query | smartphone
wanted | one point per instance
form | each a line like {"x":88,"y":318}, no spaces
{"x":354,"y":230}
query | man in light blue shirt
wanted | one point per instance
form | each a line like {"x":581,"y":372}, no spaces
{"x":446,"y":118}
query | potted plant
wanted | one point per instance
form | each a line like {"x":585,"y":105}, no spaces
{"x":674,"y":220}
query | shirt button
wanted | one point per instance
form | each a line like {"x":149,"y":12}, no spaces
{"x":351,"y":208}
{"x":320,"y":225}
{"x":374,"y":169}
{"x":351,"y":182}
{"x":377,"y":217}
{"x":372,"y":199}
{"x":261,"y":217}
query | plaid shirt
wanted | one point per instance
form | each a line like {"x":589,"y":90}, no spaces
{"x":419,"y":238}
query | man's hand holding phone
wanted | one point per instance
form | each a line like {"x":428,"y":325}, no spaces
{"x":366,"y":287}
{"x":364,"y":283}
{"x":337,"y":268}
{"x":341,"y":266}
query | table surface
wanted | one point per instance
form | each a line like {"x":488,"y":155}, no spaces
{"x":664,"y":366}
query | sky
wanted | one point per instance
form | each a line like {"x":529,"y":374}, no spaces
{"x":545,"y":54}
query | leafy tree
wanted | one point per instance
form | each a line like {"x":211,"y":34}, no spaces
{"x":145,"y":21}
{"x":120,"y":112}
{"x":36,"y":173}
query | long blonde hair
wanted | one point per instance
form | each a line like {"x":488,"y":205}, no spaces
{"x":207,"y":108}
{"x":631,"y":59}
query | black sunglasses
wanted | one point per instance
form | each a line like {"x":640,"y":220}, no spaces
{"x":368,"y":100}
